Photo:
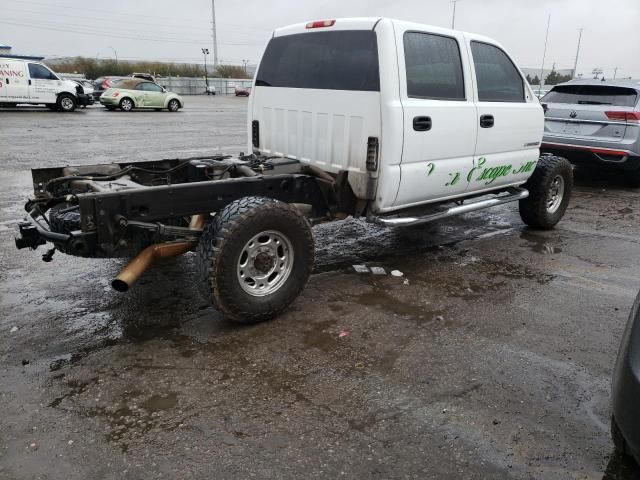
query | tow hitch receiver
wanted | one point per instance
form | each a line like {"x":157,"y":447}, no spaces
{"x":29,"y":236}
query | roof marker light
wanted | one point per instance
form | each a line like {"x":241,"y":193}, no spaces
{"x":321,"y":24}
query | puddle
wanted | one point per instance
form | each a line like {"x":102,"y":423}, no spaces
{"x":540,"y":244}
{"x":157,"y":403}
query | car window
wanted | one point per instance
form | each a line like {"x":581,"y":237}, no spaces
{"x":592,"y":95}
{"x":498,"y":78}
{"x":40,"y":72}
{"x":434,"y":66}
{"x":337,"y":60}
{"x":152,"y":87}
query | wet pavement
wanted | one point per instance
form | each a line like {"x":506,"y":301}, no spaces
{"x":490,"y":357}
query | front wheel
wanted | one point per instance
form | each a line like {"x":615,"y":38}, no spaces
{"x":66,"y":103}
{"x":255,"y":258}
{"x":173,"y":105}
{"x":550,"y":189}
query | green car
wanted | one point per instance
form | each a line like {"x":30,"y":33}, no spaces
{"x":137,"y":93}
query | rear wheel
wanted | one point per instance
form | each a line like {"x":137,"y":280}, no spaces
{"x":255,"y":258}
{"x":126,"y":104}
{"x":66,"y":103}
{"x":174,"y":105}
{"x":550,"y":189}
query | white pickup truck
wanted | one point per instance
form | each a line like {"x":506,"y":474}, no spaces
{"x":397,"y":122}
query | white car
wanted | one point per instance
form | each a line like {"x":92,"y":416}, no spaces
{"x":32,"y":82}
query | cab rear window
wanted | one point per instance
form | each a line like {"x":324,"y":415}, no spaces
{"x":338,"y":60}
{"x":592,"y":95}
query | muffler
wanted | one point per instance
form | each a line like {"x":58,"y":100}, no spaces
{"x":147,"y":257}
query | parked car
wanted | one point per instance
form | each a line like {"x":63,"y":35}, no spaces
{"x":137,"y":93}
{"x":32,"y":82}
{"x":592,"y":122}
{"x":625,"y":420}
{"x":144,"y":76}
{"x":348,"y":120}
{"x":242,"y":91}
{"x":102,"y":84}
{"x":210,"y":90}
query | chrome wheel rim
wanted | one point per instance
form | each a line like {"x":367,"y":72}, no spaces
{"x":173,"y":105}
{"x":556,"y":194}
{"x":126,"y":105}
{"x":265,"y":263}
{"x":66,"y":103}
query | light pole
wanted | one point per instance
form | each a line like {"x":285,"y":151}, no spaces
{"x":453,"y":20}
{"x":575,"y":64}
{"x":544,"y":54}
{"x":205,"y":52}
{"x":214,"y":33}
{"x":115,"y":53}
{"x":244,"y":65}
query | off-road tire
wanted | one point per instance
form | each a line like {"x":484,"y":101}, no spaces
{"x":66,"y":102}
{"x":534,"y":209}
{"x":126,"y":104}
{"x":173,"y":105}
{"x":220,"y":248}
{"x":618,"y":440}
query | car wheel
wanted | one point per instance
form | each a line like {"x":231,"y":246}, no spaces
{"x":126,"y":104}
{"x":173,"y":105}
{"x":66,"y":103}
{"x":550,"y":189}
{"x":255,"y":258}
{"x":634,"y":179}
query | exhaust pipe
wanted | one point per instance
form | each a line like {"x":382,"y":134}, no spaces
{"x":147,"y":257}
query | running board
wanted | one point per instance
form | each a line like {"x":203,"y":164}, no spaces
{"x":513,"y":195}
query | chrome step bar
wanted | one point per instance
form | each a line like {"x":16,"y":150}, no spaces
{"x":513,"y":195}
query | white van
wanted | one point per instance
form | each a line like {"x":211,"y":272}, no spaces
{"x":27,"y":81}
{"x":440,"y":106}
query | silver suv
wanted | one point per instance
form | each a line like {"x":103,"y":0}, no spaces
{"x":595,"y":122}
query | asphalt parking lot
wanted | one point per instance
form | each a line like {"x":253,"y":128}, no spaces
{"x":489,"y":358}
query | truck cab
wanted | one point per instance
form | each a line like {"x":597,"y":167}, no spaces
{"x":32,"y":82}
{"x":414,"y":114}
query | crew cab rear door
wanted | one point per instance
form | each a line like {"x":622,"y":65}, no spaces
{"x":440,"y":117}
{"x":509,"y":117}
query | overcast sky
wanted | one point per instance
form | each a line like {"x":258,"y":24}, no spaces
{"x":176,"y":30}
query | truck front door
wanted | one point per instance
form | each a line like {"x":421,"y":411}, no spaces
{"x":510,"y":121}
{"x":440,"y":118}
{"x":44,"y":85}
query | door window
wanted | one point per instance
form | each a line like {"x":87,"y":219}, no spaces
{"x":149,"y":87}
{"x":498,"y":78}
{"x":434,"y":67}
{"x":40,"y":72}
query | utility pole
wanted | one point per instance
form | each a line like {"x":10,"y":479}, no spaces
{"x":544,"y":54}
{"x":213,"y":31}
{"x":205,"y":52}
{"x":453,"y":20}
{"x":575,"y":65}
{"x":115,"y":53}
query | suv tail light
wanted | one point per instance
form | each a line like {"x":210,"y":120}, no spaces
{"x":624,"y":116}
{"x":321,"y":24}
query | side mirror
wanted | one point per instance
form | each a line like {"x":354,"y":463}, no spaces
{"x":164,"y":89}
